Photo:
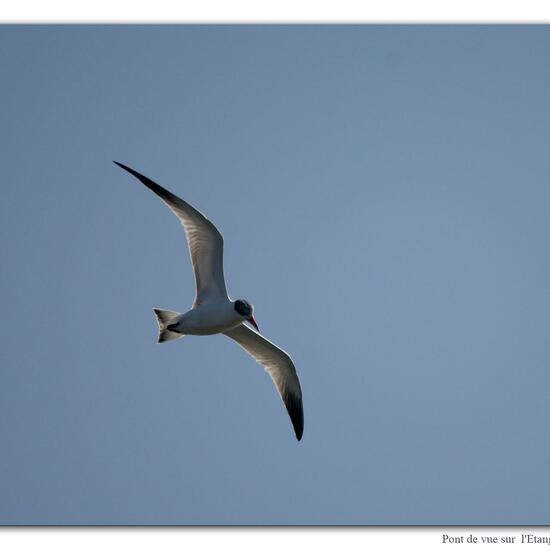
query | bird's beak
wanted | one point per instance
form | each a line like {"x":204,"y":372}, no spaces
{"x":252,"y":321}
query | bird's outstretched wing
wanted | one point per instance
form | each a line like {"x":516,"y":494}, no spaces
{"x":279,"y":366}
{"x":205,"y":241}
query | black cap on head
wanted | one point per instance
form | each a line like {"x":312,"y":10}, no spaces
{"x":242,"y":307}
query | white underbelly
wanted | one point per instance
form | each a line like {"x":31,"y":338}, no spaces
{"x":205,"y":321}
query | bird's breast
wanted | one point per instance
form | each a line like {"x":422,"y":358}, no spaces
{"x":207,"y":319}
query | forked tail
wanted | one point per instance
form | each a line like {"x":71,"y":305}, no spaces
{"x":164,"y":319}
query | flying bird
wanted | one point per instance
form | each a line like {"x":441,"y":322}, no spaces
{"x":213,"y":312}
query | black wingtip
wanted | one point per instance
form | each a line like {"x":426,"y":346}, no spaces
{"x":296,"y":413}
{"x":124,"y":167}
{"x":299,"y":431}
{"x":155,"y":187}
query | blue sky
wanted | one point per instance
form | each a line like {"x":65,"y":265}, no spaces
{"x":384,"y":196}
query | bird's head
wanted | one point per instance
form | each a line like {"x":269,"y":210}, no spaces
{"x":246,"y":310}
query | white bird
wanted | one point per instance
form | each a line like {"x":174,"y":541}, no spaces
{"x":214,"y":312}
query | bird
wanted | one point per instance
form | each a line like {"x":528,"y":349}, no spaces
{"x":214,"y":312}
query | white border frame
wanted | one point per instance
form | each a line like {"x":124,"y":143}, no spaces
{"x":282,"y":11}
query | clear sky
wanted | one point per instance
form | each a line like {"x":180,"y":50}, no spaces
{"x":384,"y":193}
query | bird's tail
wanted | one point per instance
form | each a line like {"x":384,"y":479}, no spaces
{"x":164,"y":319}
